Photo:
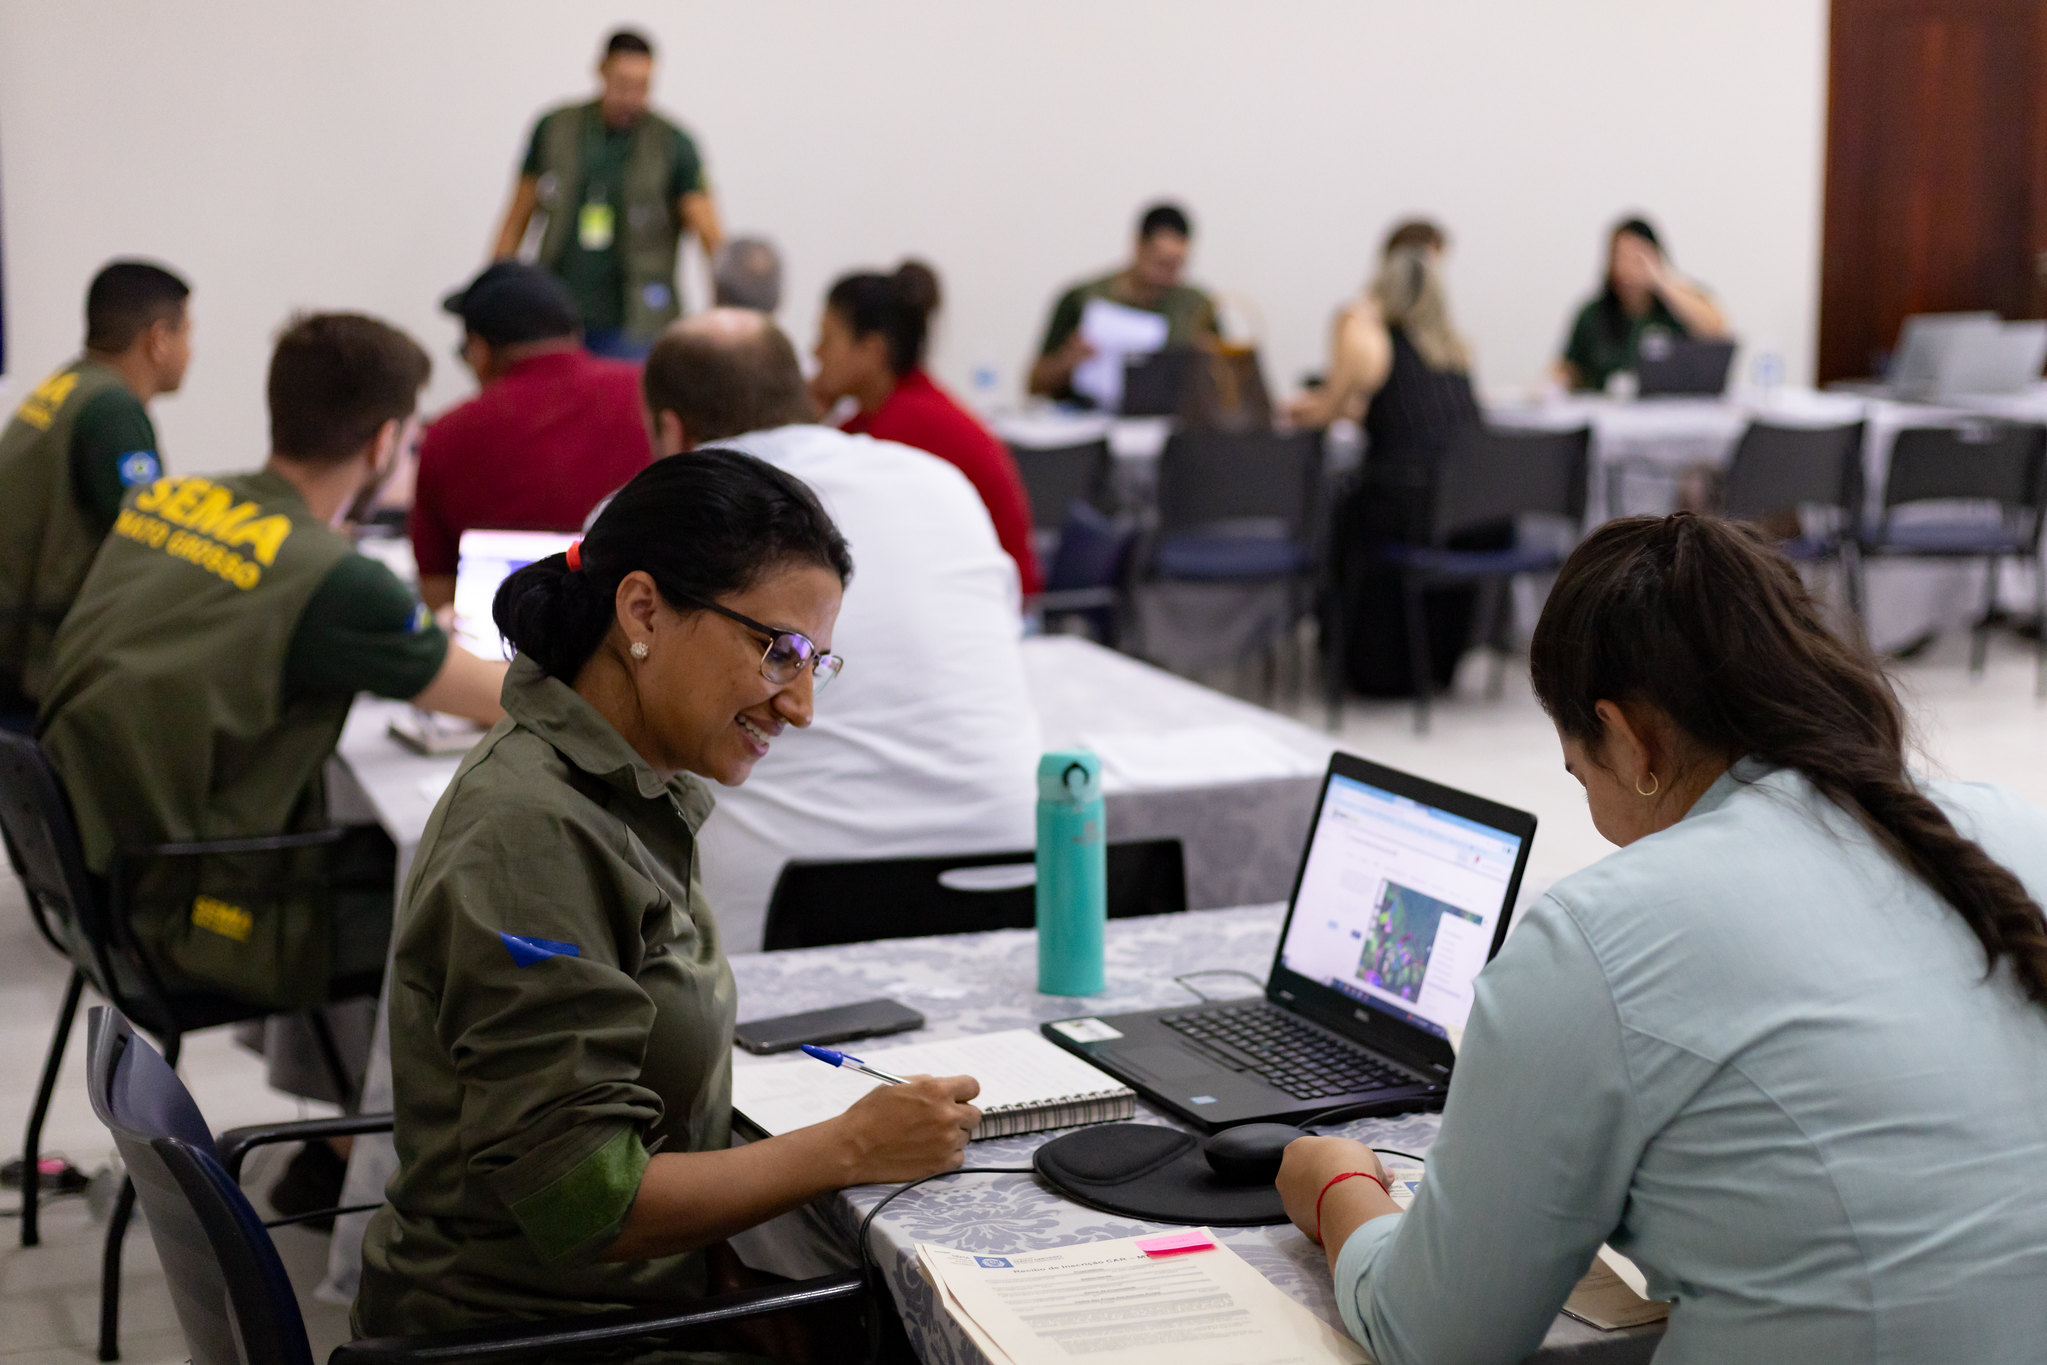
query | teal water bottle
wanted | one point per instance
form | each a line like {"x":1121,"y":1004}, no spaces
{"x":1073,"y":874}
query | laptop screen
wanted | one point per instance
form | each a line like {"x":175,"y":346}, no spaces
{"x":1399,"y":904}
{"x":488,"y":558}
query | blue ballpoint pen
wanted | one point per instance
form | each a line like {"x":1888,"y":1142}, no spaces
{"x":849,"y":1063}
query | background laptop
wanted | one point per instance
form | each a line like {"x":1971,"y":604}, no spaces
{"x":488,"y":558}
{"x":1403,"y":895}
{"x":1155,"y":385}
{"x":1681,"y":367}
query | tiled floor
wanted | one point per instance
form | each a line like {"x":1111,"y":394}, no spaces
{"x":1989,"y":729}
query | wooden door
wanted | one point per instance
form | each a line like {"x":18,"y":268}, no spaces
{"x":1936,"y":187}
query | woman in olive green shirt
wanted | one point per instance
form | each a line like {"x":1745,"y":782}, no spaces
{"x":561,"y":1012}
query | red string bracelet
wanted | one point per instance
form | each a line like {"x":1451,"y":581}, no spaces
{"x":1334,"y":1181}
{"x":574,"y":556}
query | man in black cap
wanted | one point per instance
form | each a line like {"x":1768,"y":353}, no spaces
{"x":554,"y":431}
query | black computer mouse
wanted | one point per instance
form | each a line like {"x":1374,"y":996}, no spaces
{"x":1249,"y":1154}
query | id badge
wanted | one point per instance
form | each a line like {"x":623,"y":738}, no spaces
{"x":595,"y":225}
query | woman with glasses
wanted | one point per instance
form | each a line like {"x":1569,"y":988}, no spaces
{"x":561,"y":1011}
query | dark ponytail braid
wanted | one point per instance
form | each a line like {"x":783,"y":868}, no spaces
{"x":1707,"y":622}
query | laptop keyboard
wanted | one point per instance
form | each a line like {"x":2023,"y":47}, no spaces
{"x":1305,"y":1062}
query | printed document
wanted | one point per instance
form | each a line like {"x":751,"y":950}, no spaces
{"x":1117,"y":332}
{"x":1112,"y":1303}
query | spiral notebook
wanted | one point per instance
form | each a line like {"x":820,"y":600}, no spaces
{"x":1027,"y":1085}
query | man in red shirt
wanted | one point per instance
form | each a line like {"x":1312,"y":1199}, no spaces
{"x":554,"y":431}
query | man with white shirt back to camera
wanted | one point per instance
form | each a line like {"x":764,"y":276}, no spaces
{"x":928,"y":743}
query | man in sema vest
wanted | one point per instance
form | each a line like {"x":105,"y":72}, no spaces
{"x":80,"y":440}
{"x":201,"y":681}
{"x":619,"y":185}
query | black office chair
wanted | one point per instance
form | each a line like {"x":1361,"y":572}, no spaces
{"x":85,"y":918}
{"x":2003,"y":464}
{"x":1487,"y":477}
{"x":1777,"y":471}
{"x":1056,"y":477}
{"x":1088,"y":577}
{"x":232,"y":1297}
{"x":860,"y":900}
{"x":1240,"y":508}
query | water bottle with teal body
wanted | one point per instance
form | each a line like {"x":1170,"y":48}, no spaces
{"x":1073,"y":874}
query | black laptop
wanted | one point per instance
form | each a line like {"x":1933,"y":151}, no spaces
{"x":1403,"y":895}
{"x":1669,"y":366}
{"x":1155,"y":385}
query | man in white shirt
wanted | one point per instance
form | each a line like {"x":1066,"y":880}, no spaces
{"x":928,"y":742}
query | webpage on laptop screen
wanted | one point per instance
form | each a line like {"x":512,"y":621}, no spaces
{"x":1398,"y":904}
{"x":488,"y":558}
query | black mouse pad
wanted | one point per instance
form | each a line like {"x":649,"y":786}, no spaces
{"x":1150,"y":1172}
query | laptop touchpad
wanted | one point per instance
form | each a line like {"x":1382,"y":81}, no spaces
{"x":1168,"y":1063}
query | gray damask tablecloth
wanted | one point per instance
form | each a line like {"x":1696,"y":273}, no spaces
{"x":978,"y":983}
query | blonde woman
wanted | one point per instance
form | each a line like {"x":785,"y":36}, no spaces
{"x":1398,"y":363}
{"x":1396,"y":360}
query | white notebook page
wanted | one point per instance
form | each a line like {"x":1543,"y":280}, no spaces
{"x":1017,"y":1068}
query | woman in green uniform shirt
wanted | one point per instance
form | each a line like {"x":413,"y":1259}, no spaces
{"x":561,"y":1013}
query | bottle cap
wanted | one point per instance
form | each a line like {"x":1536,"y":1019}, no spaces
{"x":1071,"y":777}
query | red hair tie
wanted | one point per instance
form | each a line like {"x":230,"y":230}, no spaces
{"x":575,"y":556}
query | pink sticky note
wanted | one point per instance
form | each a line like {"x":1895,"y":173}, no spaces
{"x":1176,"y":1243}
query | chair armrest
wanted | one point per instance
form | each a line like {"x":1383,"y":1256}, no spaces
{"x":235,"y":1145}
{"x":537,"y":1340}
{"x":269,"y":843}
{"x":1073,"y":599}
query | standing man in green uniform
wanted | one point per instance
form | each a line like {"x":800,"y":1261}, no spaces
{"x":619,"y":185}
{"x":201,"y":680}
{"x":1150,"y":283}
{"x":79,"y":441}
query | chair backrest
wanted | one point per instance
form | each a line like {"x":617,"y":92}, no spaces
{"x":1057,"y":477}
{"x":43,"y":841}
{"x":1094,"y":550}
{"x":1986,"y":461}
{"x":818,"y":903}
{"x":232,"y":1296}
{"x":1777,"y":469}
{"x":1494,"y":474}
{"x":1242,"y":482}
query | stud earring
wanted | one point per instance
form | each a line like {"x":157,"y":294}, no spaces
{"x":639,"y":650}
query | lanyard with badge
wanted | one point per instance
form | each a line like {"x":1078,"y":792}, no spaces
{"x":597,"y":219}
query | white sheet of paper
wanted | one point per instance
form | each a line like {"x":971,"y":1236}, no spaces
{"x":1117,"y":332}
{"x":1196,"y":756}
{"x":1114,"y":1305}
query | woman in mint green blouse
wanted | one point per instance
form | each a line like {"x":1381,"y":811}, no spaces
{"x":1787,"y":1048}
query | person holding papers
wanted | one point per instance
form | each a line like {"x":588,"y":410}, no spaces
{"x":1090,"y":320}
{"x":561,"y":1009}
{"x":1785,"y":1049}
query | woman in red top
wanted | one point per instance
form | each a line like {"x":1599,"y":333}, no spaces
{"x":870,"y":347}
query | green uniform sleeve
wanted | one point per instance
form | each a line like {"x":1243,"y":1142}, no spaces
{"x":113,"y":448}
{"x":535,"y":162}
{"x":1581,"y":351}
{"x":686,"y":174}
{"x":546,"y":1026}
{"x":363,"y":631}
{"x":1065,"y":322}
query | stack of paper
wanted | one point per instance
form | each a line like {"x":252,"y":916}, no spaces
{"x":1180,"y":1297}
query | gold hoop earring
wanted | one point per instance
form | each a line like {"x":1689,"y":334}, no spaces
{"x":639,"y":649}
{"x":1655,"y":786}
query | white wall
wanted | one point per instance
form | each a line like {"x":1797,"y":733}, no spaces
{"x":356,"y":153}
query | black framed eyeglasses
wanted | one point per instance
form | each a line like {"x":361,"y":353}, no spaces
{"x":788,"y":652}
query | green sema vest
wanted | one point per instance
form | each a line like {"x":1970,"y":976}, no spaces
{"x":652,"y":235}
{"x":46,"y":542}
{"x":166,"y":721}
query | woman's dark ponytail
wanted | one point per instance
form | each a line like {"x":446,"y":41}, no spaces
{"x":1707,"y":622}
{"x":898,"y":306}
{"x":702,"y":525}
